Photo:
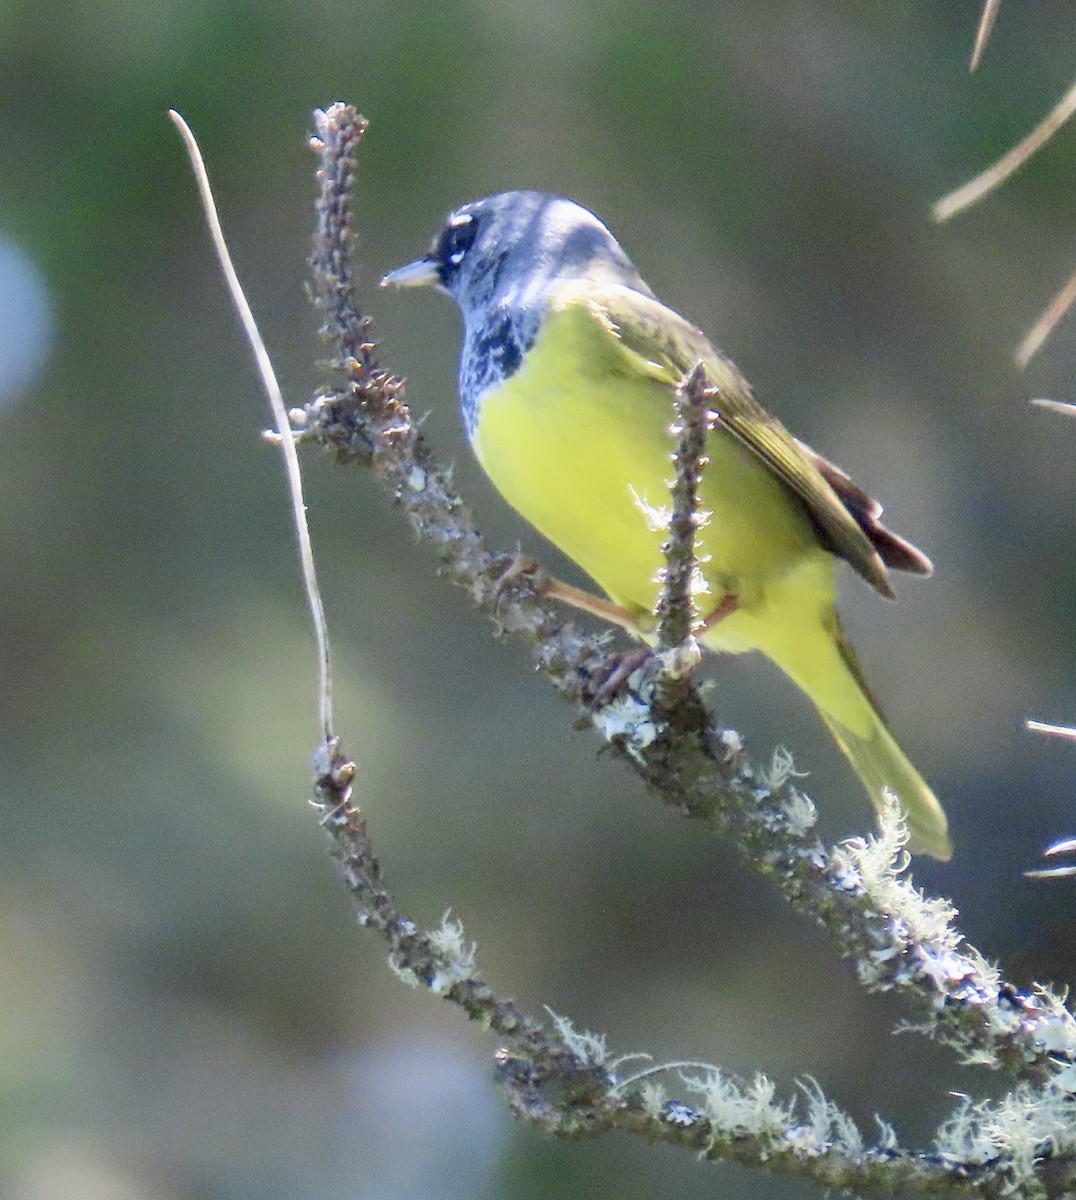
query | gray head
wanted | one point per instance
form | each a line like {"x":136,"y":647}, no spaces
{"x":504,"y":251}
{"x":498,"y":258}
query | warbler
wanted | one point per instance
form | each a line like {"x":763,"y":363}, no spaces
{"x":566,"y":381}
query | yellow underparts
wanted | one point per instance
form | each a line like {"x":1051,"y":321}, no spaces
{"x":578,"y":442}
{"x":580,"y":446}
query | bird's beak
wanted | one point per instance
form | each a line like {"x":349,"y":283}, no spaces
{"x":421,"y":273}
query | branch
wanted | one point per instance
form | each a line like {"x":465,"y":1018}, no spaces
{"x":564,"y":1082}
{"x":1063,"y":731}
{"x":973,"y":191}
{"x":676,"y":612}
{"x":1057,"y":406}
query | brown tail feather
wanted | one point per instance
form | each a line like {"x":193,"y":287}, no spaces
{"x":893,"y":550}
{"x":882,"y":765}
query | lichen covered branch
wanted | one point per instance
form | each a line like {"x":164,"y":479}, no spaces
{"x":565,"y":1082}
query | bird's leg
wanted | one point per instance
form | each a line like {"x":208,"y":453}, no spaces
{"x":618,"y":667}
{"x":730,"y":602}
{"x":597,"y":606}
{"x":555,"y":589}
{"x":624,"y":665}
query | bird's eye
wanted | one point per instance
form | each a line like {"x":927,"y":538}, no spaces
{"x":457,"y":239}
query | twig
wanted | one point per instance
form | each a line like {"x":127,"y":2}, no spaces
{"x":982,"y":34}
{"x":1056,"y":730}
{"x":434,"y":962}
{"x":978,"y":187}
{"x":1064,"y":846}
{"x":280,"y":417}
{"x":676,"y":611}
{"x":564,"y":1082}
{"x":1057,"y":406}
{"x":1046,"y":324}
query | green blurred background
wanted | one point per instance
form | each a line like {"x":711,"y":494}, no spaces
{"x":186,"y":1012}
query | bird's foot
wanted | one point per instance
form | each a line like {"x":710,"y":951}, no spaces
{"x":618,"y":670}
{"x":522,"y":566}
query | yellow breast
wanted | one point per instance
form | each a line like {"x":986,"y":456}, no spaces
{"x":579,"y":444}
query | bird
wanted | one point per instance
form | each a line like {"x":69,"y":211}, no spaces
{"x":566,"y":376}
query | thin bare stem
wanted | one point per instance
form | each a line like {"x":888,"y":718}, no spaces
{"x":1064,"y":846}
{"x":1057,"y":406}
{"x":1055,"y":730}
{"x":982,"y":34}
{"x":1045,"y":325}
{"x":1050,"y":873}
{"x":978,"y":187}
{"x":280,"y":418}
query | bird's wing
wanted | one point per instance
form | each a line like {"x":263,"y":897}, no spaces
{"x":896,"y":552}
{"x":657,"y":341}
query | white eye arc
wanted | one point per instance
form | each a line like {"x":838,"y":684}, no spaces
{"x":458,"y":238}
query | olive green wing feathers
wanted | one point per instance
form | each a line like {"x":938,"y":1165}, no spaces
{"x":656,"y":341}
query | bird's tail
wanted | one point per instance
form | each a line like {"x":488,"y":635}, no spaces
{"x":881,"y":764}
{"x":851,"y":714}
